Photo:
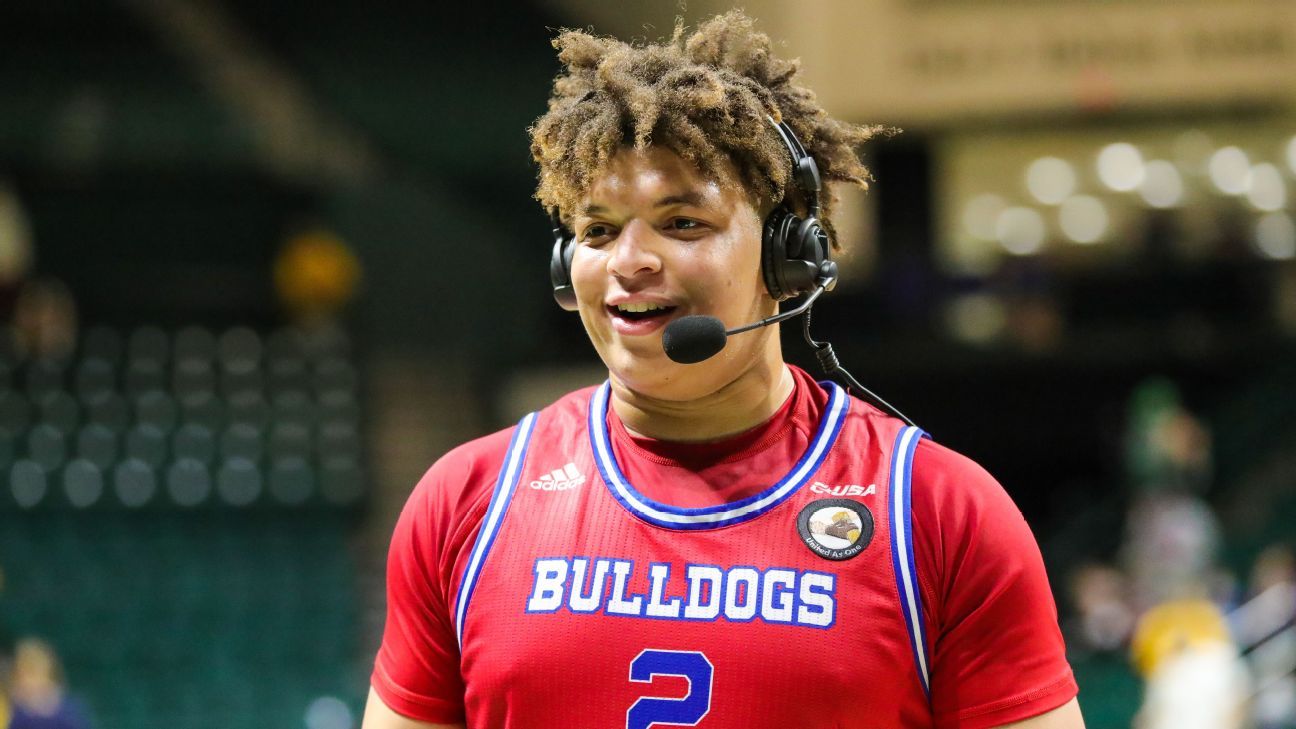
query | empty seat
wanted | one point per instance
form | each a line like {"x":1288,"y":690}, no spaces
{"x":188,"y":482}
{"x":46,"y":446}
{"x":241,"y":440}
{"x":334,"y":373}
{"x":291,"y":480}
{"x":203,"y":408}
{"x":290,"y":440}
{"x":98,"y":445}
{"x":108,"y":409}
{"x":158,"y":409}
{"x":322,"y":343}
{"x":341,"y":481}
{"x":15,"y":413}
{"x":147,"y":443}
{"x":60,"y":410}
{"x":288,"y":373}
{"x":285,"y":343}
{"x":9,"y":447}
{"x":195,"y":342}
{"x":195,"y":442}
{"x":27,"y":483}
{"x":251,"y":408}
{"x":239,"y":379}
{"x":45,"y":375}
{"x":338,"y":405}
{"x":192,"y":376}
{"x":82,"y":483}
{"x":134,"y":482}
{"x":148,"y":344}
{"x":238,"y":482}
{"x":338,"y":439}
{"x":144,"y":376}
{"x":94,"y":376}
{"x":103,"y":343}
{"x":239,"y":347}
{"x":294,"y":406}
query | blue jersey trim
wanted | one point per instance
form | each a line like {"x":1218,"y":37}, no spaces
{"x":711,"y":517}
{"x":495,"y":512}
{"x":902,"y":550}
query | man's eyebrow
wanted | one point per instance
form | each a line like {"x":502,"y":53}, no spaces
{"x":691,"y":197}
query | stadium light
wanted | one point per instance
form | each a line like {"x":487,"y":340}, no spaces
{"x":1230,"y":171}
{"x":1163,"y":185}
{"x":1050,"y":180}
{"x":1120,"y":166}
{"x":1020,"y":230}
{"x":1083,"y":219}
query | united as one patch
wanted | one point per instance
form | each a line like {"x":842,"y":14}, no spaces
{"x":835,"y":528}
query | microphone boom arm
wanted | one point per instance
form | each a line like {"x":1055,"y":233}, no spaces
{"x":782,"y":316}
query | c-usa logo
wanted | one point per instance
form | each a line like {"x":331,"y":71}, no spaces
{"x":844,"y":490}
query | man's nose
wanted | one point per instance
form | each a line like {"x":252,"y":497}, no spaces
{"x":636,"y":251}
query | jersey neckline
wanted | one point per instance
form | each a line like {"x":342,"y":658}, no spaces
{"x":720,"y":515}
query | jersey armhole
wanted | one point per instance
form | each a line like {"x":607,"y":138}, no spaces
{"x":501,"y":496}
{"x":908,"y":587}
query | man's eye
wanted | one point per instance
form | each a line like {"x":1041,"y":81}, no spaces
{"x":596,"y":231}
{"x":685,"y":224}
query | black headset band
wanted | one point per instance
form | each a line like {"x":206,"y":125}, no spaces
{"x":805,"y":171}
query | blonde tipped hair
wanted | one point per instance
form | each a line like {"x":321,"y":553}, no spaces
{"x":705,"y":95}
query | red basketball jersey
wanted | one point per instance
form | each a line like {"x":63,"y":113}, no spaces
{"x":577,"y":601}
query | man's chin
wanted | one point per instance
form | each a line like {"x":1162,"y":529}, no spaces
{"x":661,"y":379}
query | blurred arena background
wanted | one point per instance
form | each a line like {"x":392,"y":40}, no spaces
{"x":261,"y":262}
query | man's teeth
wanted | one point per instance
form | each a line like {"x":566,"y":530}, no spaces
{"x":639,"y":308}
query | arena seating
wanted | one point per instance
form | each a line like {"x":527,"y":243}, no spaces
{"x":175,"y":510}
{"x":151,"y":421}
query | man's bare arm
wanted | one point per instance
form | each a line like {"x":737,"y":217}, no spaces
{"x":1066,"y":716}
{"x":379,"y":716}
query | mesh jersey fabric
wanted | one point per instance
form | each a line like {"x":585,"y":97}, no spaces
{"x":991,"y":647}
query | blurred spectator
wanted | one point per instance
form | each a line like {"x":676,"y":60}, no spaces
{"x":1104,"y":618}
{"x":40,"y":700}
{"x":1194,"y":678}
{"x":1267,"y":626}
{"x":1170,"y":548}
{"x":316,"y":276}
{"x":1172,"y":534}
{"x":1167,"y":448}
{"x":45,"y":319}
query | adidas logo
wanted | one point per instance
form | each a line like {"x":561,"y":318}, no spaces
{"x":560,"y":479}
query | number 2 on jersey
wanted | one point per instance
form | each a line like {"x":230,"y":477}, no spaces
{"x":649,"y":711}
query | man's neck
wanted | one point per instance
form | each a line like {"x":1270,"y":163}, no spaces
{"x":741,"y":405}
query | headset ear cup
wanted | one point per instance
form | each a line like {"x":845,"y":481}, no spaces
{"x":812,"y":242}
{"x":793,"y":254}
{"x":778,"y":226}
{"x":560,"y":273}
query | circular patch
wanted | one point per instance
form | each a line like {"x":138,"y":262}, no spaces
{"x":835,"y":528}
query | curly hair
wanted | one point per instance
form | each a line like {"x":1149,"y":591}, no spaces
{"x":705,"y":96}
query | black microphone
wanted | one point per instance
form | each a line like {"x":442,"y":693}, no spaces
{"x":692,"y":339}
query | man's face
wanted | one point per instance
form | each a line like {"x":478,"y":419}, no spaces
{"x":654,"y":233}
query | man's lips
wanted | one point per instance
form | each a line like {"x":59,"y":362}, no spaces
{"x":640,"y":323}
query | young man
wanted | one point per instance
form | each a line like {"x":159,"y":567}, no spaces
{"x":722,"y":544}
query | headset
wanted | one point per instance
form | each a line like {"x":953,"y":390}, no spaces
{"x":796,"y":258}
{"x":796,"y":252}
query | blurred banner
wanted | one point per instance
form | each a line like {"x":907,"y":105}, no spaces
{"x":920,"y":62}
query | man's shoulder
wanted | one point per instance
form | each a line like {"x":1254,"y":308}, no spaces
{"x":953,"y":484}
